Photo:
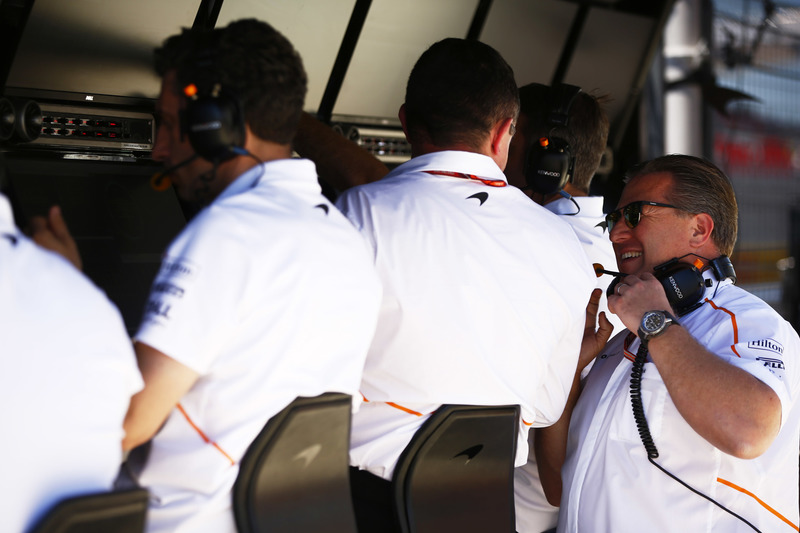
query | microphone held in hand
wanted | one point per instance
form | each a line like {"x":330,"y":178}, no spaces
{"x":599,"y":270}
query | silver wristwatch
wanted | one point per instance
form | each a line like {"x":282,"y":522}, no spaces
{"x":654,"y":323}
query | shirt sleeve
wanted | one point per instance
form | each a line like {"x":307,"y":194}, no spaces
{"x":760,"y":342}
{"x":195,"y":297}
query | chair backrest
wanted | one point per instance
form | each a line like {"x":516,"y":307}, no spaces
{"x":457,"y":473}
{"x":117,"y":511}
{"x":295,"y":474}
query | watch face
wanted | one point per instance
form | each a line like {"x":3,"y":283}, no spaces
{"x":652,"y":321}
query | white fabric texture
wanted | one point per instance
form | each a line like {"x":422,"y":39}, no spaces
{"x":269,"y":294}
{"x":533,"y":513}
{"x":484,"y":302}
{"x":609,"y":485}
{"x":69,"y":374}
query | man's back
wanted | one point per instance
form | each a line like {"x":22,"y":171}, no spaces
{"x":484,"y":299}
{"x":276,"y":299}
{"x":68,"y":375}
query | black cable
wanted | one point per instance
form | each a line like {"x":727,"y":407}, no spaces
{"x":569,"y":197}
{"x":644,"y":430}
{"x":637,"y":405}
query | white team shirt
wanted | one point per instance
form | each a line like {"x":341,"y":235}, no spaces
{"x":609,"y":485}
{"x":533,"y":513}
{"x":484,"y":302}
{"x":68,"y":374}
{"x":269,"y":294}
{"x":594,"y":239}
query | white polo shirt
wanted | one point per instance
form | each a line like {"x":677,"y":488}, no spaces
{"x":533,"y":513}
{"x":68,"y":374}
{"x":609,"y":485}
{"x":269,"y":294}
{"x":484,"y":301}
{"x":594,"y":239}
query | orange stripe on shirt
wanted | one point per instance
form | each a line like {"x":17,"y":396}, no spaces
{"x":396,"y":406}
{"x":203,"y":435}
{"x":415,"y":413}
{"x":406,"y":409}
{"x":756,"y":498}
{"x":733,"y":323}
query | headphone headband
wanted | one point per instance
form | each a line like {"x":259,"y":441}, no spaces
{"x":562,"y":96}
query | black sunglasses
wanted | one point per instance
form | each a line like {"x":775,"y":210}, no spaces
{"x":632,"y":213}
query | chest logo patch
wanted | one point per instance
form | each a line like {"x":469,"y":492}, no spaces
{"x":768,"y":345}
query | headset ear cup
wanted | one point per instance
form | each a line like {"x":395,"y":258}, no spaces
{"x":684,"y":286}
{"x":547,"y":168}
{"x":214,"y":127}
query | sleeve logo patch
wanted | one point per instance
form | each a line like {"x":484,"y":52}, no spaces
{"x":177,"y":268}
{"x":773,"y":365}
{"x":168,"y":288}
{"x":768,"y":345}
{"x":157,"y":308}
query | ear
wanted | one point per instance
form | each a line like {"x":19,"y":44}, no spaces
{"x":701,"y":228}
{"x":401,"y":114}
{"x":501,"y":136}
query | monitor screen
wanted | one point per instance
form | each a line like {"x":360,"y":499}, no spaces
{"x":121,"y":225}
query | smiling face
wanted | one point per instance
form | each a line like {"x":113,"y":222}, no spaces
{"x":662,"y":233}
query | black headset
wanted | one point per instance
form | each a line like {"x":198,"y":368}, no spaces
{"x":549,"y":162}
{"x":683,"y":282}
{"x":213,"y":122}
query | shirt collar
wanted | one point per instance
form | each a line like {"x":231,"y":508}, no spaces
{"x":245,"y":181}
{"x":455,"y":161}
{"x":292,"y":168}
{"x":591,"y":206}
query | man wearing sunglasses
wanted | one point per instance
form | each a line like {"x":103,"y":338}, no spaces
{"x":711,"y":442}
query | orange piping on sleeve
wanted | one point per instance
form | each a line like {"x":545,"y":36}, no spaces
{"x":203,"y":435}
{"x":733,"y":323}
{"x":406,"y":409}
{"x":756,"y":498}
{"x":526,"y":422}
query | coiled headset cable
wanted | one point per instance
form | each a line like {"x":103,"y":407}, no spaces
{"x":644,"y":429}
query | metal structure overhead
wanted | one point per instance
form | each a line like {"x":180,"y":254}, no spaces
{"x":357,"y":52}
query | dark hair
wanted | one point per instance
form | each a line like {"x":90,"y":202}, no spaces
{"x":699,"y":187}
{"x":457,"y":91}
{"x":252,"y":62}
{"x":586,"y":131}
